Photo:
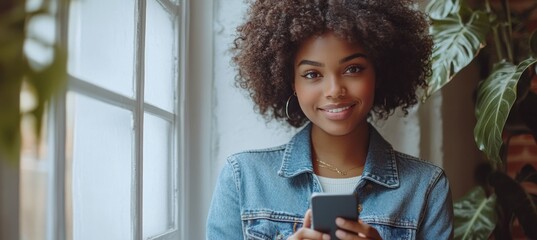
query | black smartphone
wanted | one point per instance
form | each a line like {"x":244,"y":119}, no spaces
{"x":327,"y":207}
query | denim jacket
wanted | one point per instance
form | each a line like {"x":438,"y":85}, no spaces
{"x":264,"y":194}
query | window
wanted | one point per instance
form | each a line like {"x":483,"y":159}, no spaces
{"x":115,"y":143}
{"x":123,"y":119}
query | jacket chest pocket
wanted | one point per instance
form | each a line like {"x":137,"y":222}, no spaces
{"x":394,"y":232}
{"x":269,"y":229}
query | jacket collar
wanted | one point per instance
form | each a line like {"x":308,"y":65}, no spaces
{"x":380,"y":165}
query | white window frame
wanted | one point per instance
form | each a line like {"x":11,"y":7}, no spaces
{"x":56,"y":204}
{"x":200,"y":148}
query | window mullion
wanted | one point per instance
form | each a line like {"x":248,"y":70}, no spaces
{"x":137,"y":195}
{"x":56,"y":218}
{"x":159,"y":112}
{"x":180,"y":144}
{"x":56,"y":177}
{"x":101,"y":94}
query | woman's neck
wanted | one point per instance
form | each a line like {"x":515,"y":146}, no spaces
{"x":343,"y":152}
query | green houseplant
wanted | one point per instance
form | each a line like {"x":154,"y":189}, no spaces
{"x":17,"y":69}
{"x":19,"y":72}
{"x":505,"y":48}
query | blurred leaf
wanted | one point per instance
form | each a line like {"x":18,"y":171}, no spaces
{"x":12,"y":68}
{"x":511,"y":194}
{"x":456,"y":43}
{"x":9,"y":115}
{"x":495,"y":97}
{"x":438,"y":9}
{"x":12,"y":34}
{"x":46,"y":82}
{"x":475,"y":217}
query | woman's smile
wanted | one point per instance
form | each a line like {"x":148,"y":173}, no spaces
{"x":338,"y":111}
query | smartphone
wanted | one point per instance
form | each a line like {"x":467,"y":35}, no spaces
{"x":327,"y":207}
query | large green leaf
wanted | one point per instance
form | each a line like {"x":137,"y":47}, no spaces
{"x":439,"y":9}
{"x":475,"y":217}
{"x":456,"y":43}
{"x":495,"y":97}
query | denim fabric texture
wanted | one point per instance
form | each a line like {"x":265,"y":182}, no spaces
{"x":264,"y":194}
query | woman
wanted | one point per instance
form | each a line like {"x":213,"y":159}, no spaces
{"x":330,"y":65}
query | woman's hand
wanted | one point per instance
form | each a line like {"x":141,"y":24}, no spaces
{"x":305,"y":232}
{"x":355,"y":230}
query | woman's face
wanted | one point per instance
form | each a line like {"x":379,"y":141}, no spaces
{"x":334,"y":83}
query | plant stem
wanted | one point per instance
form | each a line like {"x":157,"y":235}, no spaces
{"x":507,"y":30}
{"x":495,"y":34}
{"x":507,"y":39}
{"x":497,"y":44}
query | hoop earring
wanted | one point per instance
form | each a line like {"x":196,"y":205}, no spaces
{"x":287,"y":105}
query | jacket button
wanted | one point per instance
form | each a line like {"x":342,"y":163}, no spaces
{"x":360,"y":208}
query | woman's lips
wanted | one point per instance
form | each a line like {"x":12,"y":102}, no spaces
{"x":337,"y":111}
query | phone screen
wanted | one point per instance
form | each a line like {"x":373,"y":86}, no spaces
{"x":327,"y":207}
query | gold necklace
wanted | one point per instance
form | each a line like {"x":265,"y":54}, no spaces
{"x":333,"y":168}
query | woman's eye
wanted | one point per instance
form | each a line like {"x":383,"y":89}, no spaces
{"x":353,"y":69}
{"x":311,"y":75}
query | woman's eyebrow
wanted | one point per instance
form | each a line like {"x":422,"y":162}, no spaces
{"x":309,"y":62}
{"x":345,"y":59}
{"x":353,"y":56}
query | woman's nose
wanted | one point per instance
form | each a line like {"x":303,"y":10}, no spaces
{"x":334,"y":88}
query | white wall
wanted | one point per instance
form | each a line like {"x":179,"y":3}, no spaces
{"x":236,"y":126}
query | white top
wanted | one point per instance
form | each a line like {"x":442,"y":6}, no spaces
{"x":339,"y":185}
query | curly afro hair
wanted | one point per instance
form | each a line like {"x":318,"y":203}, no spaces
{"x":392,"y":32}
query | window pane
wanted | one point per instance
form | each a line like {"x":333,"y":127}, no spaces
{"x":158,"y":181}
{"x":101,"y":170}
{"x":161,"y":56}
{"x":101,"y":43}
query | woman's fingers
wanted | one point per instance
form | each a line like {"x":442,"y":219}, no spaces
{"x":344,"y":235}
{"x":307,"y":233}
{"x":355,"y":230}
{"x":307,"y":219}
